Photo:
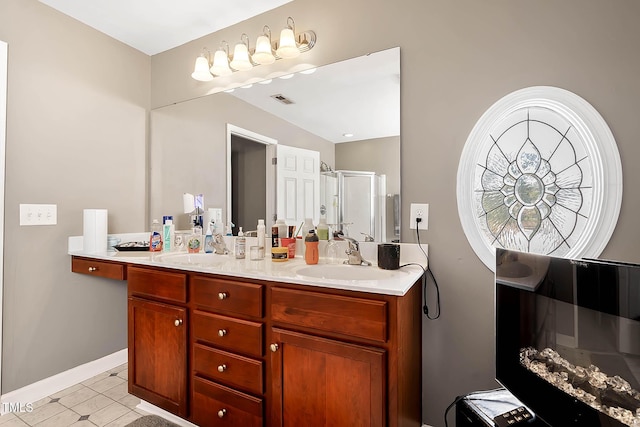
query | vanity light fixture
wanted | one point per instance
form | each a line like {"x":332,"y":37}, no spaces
{"x":266,"y":52}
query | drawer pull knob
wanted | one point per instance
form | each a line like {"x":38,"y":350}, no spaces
{"x":222,"y":368}
{"x":223,"y":295}
{"x":274,"y":347}
{"x":222,"y":413}
{"x":222,"y":332}
{"x":92,"y":269}
{"x":177,"y":322}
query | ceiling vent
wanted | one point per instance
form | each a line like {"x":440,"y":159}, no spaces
{"x":281,"y":98}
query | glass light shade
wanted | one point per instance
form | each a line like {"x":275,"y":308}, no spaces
{"x":220,"y":65}
{"x":201,"y":70}
{"x":263,"y":54}
{"x":288,"y":47}
{"x":241,"y":58}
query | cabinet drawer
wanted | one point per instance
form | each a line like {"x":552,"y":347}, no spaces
{"x":215,"y":405}
{"x":237,"y":335}
{"x":228,"y":368}
{"x":358,"y":317}
{"x":159,"y":284}
{"x":227,"y":295}
{"x":98,"y":268}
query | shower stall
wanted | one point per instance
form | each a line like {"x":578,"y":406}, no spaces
{"x":356,"y":203}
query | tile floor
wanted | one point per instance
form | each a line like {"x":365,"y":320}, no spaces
{"x":99,"y":401}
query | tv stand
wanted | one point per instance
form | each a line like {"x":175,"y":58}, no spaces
{"x":479,"y":408}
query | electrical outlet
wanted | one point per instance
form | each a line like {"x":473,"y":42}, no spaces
{"x":419,"y":210}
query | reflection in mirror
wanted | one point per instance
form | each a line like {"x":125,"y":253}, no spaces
{"x":348,"y":113}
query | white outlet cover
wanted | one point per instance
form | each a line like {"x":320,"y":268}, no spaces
{"x":416,"y":207}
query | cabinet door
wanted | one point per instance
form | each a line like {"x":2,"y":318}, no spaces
{"x":158,"y":354}
{"x":323,"y":382}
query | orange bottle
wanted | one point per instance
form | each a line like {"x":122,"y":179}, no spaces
{"x":311,"y":253}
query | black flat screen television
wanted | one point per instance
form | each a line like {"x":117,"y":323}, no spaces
{"x":568,"y":338}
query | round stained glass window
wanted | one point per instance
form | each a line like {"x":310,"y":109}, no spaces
{"x":540,"y":172}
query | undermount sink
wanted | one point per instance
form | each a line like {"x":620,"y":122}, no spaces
{"x":348,"y":272}
{"x":200,"y":259}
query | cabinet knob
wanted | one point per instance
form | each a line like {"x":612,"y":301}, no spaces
{"x":92,"y":269}
{"x":222,"y":295}
{"x":177,"y":322}
{"x":222,"y":413}
{"x":222,"y":368}
{"x":274,"y":347}
{"x":222,"y":332}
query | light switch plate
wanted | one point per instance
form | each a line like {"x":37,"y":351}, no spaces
{"x":33,"y":214}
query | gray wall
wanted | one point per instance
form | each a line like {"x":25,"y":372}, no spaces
{"x":381,"y":155}
{"x":76,"y":131}
{"x":457,"y":58}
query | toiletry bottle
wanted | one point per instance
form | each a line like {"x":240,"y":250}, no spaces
{"x":306,"y":226}
{"x":155,"y":239}
{"x":311,"y":243}
{"x":208,"y":239}
{"x":282,"y":228}
{"x":240,"y":245}
{"x":323,"y":229}
{"x":261,"y":233}
{"x":194,"y":245}
{"x":275,"y":239}
{"x":168,"y":235}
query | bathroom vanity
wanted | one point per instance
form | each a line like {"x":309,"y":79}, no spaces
{"x":219,"y":341}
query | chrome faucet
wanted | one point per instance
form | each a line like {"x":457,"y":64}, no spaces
{"x":353,"y":252}
{"x":219,"y":247}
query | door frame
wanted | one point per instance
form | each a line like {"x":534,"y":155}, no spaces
{"x":270,"y":179}
{"x":3,"y":135}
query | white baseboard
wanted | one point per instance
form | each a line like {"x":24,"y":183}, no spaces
{"x":154,"y":410}
{"x":48,"y":386}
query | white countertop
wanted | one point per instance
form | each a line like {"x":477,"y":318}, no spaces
{"x":296,"y":271}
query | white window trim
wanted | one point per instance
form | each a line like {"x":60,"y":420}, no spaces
{"x":599,"y":143}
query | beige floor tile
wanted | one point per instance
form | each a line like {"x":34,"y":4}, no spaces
{"x":120,"y":368}
{"x":92,"y":405}
{"x":82,"y":394}
{"x":67,"y":391}
{"x":105,"y":415}
{"x":14,"y":422}
{"x":127,"y":418}
{"x":7,"y":417}
{"x":130,"y":401}
{"x":124,"y":374}
{"x":41,"y":413}
{"x":117,"y":392}
{"x":64,"y":418}
{"x":96,"y":378}
{"x":106,"y":383}
{"x":84,"y":423}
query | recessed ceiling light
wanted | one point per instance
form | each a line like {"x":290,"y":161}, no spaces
{"x":347,"y":135}
{"x":309,"y":71}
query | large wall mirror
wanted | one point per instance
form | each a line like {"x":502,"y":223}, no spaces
{"x":335,"y":132}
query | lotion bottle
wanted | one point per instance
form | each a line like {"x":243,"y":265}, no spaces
{"x":208,"y":240}
{"x":241,"y":244}
{"x":261,"y":233}
{"x":168,"y":235}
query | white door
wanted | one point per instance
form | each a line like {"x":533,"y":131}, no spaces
{"x":298,"y":184}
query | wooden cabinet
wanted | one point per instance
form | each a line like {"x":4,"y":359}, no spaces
{"x":157,"y":336}
{"x":224,"y":352}
{"x":333,"y":383}
{"x":106,"y":269}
